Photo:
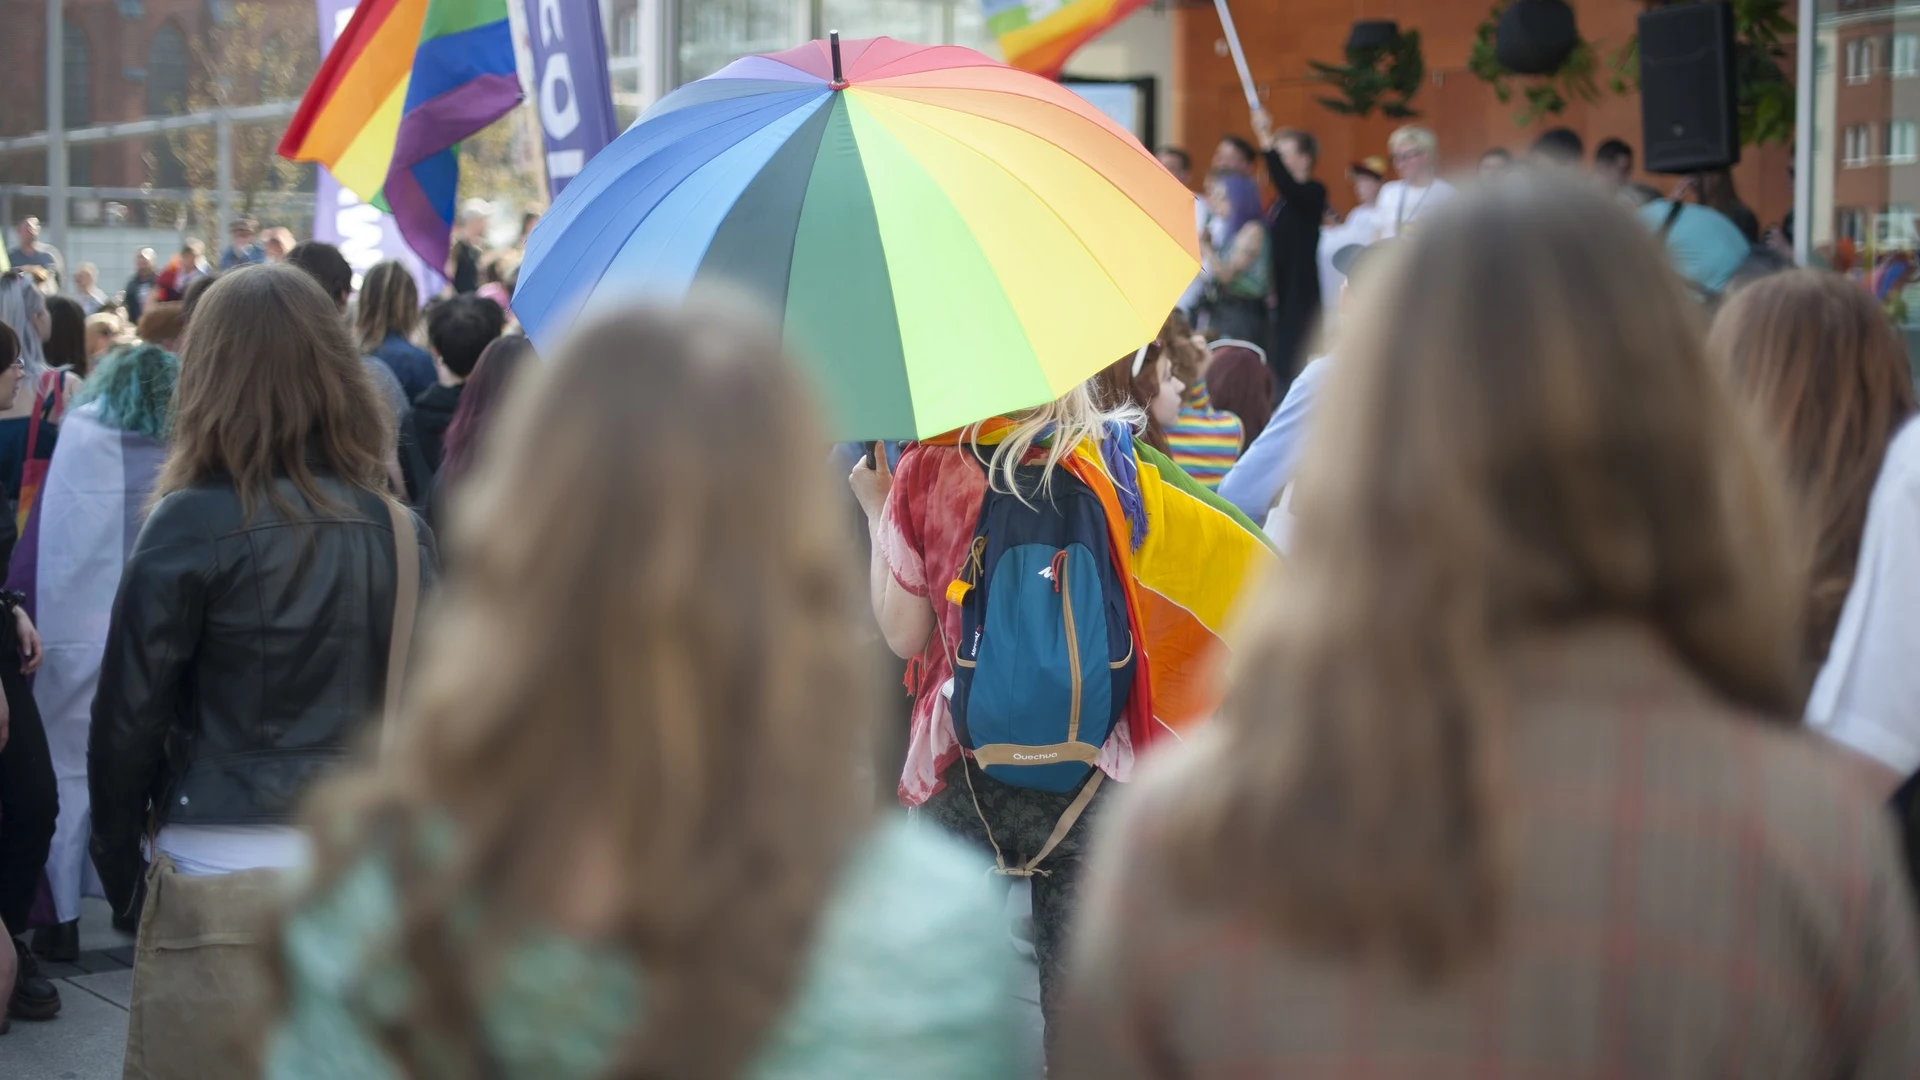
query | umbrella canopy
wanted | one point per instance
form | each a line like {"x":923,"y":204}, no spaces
{"x":943,"y":238}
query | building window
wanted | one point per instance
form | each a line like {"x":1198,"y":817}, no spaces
{"x":1856,"y":146}
{"x":1860,"y":60}
{"x":1896,"y":226}
{"x":1906,"y":56}
{"x":166,"y":96}
{"x":76,"y":98}
{"x":1822,"y":58}
{"x":1903,"y":142}
{"x":1850,"y":225}
{"x":626,"y":33}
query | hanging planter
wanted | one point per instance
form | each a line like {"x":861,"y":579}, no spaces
{"x":1383,"y":72}
{"x":1552,"y":86}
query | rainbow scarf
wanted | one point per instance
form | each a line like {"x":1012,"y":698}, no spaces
{"x":1185,"y":572}
{"x":403,"y":84}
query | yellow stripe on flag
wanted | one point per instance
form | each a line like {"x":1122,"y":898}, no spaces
{"x":362,"y":168}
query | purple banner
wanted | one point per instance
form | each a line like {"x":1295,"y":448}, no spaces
{"x":363,"y":234}
{"x":576,"y":98}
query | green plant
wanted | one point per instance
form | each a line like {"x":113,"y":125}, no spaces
{"x":1763,"y":90}
{"x":1385,"y":78}
{"x":1544,"y":95}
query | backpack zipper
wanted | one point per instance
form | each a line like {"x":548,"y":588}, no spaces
{"x":1073,"y":644}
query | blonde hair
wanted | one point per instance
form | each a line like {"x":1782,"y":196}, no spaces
{"x":1412,"y":137}
{"x":105,"y":323}
{"x":389,"y":303}
{"x":1074,"y":417}
{"x":1826,"y":376}
{"x":1524,"y":435}
{"x":661,"y":689}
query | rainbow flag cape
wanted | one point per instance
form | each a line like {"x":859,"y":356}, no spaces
{"x":1039,"y":35}
{"x":403,"y":84}
{"x":1199,"y":559}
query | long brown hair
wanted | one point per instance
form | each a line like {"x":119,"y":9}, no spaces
{"x":389,"y":303}
{"x":1239,"y":382}
{"x":1523,"y":434}
{"x":270,"y":386}
{"x":1827,"y":378}
{"x":1119,"y":386}
{"x":660,"y":691}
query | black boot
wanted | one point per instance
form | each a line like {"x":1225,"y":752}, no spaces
{"x":34,"y":995}
{"x":59,"y":944}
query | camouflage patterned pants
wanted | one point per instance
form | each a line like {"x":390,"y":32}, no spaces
{"x":1021,"y":819}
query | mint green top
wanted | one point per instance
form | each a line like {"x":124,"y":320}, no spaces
{"x":911,"y":974}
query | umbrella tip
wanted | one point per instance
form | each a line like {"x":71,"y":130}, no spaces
{"x":833,"y":45}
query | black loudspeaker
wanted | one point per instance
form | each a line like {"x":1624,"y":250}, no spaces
{"x":1534,"y":37}
{"x":1688,"y":111}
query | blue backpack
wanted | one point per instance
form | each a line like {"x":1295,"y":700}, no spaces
{"x":1044,"y":665}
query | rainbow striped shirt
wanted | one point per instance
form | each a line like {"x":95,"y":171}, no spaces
{"x":1204,"y":441}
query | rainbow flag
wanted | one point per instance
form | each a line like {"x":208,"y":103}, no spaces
{"x":1039,"y":35}
{"x":403,"y":84}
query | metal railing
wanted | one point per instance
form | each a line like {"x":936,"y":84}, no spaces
{"x":221,"y":120}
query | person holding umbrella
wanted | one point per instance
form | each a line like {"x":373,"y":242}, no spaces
{"x":952,"y":248}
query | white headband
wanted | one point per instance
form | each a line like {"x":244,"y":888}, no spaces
{"x":1140,"y":359}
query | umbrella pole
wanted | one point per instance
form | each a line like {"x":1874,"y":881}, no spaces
{"x":833,"y":44}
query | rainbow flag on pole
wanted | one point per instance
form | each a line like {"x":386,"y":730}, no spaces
{"x":402,"y":85}
{"x":1039,"y":35}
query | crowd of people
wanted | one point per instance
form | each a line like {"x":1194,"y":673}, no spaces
{"x":90,"y":415}
{"x":1271,"y":272}
{"x":1568,"y":722}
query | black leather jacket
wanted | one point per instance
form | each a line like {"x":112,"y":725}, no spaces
{"x":243,"y":658}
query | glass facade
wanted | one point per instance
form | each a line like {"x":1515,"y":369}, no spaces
{"x":1865,"y":139}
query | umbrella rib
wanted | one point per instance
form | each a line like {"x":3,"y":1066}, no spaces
{"x":690,"y":133}
{"x":1057,"y":216}
{"x":883,"y":92}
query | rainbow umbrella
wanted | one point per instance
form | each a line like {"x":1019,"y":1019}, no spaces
{"x":942,"y":237}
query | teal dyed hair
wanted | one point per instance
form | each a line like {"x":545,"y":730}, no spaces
{"x":134,"y":386}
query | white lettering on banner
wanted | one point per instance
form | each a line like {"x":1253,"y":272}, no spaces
{"x":566,"y":163}
{"x":556,"y":84}
{"x":361,"y":233}
{"x":559,"y":108}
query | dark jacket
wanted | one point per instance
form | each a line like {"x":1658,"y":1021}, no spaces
{"x":409,"y":363}
{"x":134,"y":297}
{"x":1296,"y":263}
{"x":432,"y":413}
{"x":243,"y":659}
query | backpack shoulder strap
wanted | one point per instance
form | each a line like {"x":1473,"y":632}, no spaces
{"x":1674,"y":210}
{"x":1068,"y":818}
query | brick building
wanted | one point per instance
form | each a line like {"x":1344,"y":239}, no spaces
{"x":1281,"y":36}
{"x":1867,"y":142}
{"x":124,"y":59}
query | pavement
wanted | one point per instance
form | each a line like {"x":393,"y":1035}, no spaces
{"x":88,"y":1039}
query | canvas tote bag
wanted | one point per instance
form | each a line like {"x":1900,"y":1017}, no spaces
{"x":200,"y":981}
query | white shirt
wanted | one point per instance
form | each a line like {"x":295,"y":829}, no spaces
{"x":207,"y":850}
{"x":1361,"y":226}
{"x":1400,"y":205}
{"x":1867,"y":697}
{"x":1197,"y":290}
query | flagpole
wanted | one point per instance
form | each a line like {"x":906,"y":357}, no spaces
{"x":1239,"y":55}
